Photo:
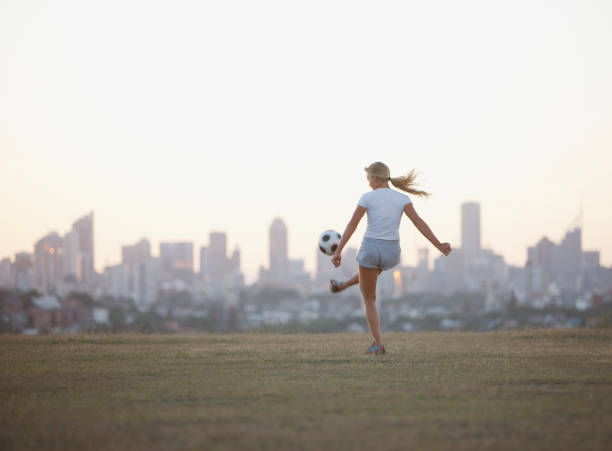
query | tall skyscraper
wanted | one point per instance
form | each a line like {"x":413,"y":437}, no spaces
{"x":6,"y":270}
{"x":540,"y":266}
{"x":218,"y":265}
{"x":176,"y":261}
{"x":138,"y":272}
{"x":136,"y":253}
{"x":571,"y":252}
{"x":24,"y":271}
{"x":70,"y":256}
{"x":48,"y":262}
{"x":279,"y":260}
{"x":470,"y":231}
{"x":204,"y":274}
{"x":82,"y":238}
{"x":235,"y":261}
{"x":567,"y":259}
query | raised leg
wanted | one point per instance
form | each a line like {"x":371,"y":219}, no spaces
{"x":349,"y":283}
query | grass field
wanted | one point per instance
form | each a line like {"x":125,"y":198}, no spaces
{"x":511,"y":390}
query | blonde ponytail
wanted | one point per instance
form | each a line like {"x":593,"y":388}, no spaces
{"x":407,"y":183}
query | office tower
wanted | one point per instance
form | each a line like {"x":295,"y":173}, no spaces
{"x":204,"y":274}
{"x":570,"y":253}
{"x":218,"y":265}
{"x":136,"y":253}
{"x":279,"y":261}
{"x":24,"y":271}
{"x":83,"y":228}
{"x":176,"y":262}
{"x":136,"y":273}
{"x":590,"y":259}
{"x":567,"y":260}
{"x":540,"y":266}
{"x":115,"y":281}
{"x":470,"y":231}
{"x":449,"y":272}
{"x":78,"y":251}
{"x":48,"y":262}
{"x":235,"y":261}
{"x":6,"y":270}
{"x":70,"y":256}
{"x":591,"y":270}
{"x":423,"y":259}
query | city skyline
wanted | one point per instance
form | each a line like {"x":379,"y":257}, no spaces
{"x":227,"y":120}
{"x":217,"y":241}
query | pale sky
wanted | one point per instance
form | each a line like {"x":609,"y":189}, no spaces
{"x":174,"y":119}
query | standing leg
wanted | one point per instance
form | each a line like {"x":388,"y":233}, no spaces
{"x":367,"y":284}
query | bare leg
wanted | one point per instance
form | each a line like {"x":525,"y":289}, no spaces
{"x":367,"y":284}
{"x":349,"y":283}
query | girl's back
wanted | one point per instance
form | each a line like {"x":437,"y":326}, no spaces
{"x":384,"y":208}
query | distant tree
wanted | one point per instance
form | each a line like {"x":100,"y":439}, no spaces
{"x":266,"y":294}
{"x":148,"y":323}
{"x":116,"y":319}
{"x":512,"y":306}
{"x":83,"y":298}
{"x":233,"y":320}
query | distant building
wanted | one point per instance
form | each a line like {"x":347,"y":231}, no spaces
{"x":470,"y":231}
{"x":70,"y":256}
{"x":298,"y":277}
{"x":325,"y":269}
{"x":567,"y":260}
{"x":218,"y":265}
{"x":6,"y":270}
{"x":116,"y":281}
{"x":204,"y":273}
{"x":176,"y":263}
{"x":83,"y":229}
{"x":223,"y":274}
{"x":592,"y":272}
{"x":48,"y":262}
{"x":449,"y":272}
{"x":279,"y":259}
{"x":235,"y":260}
{"x":24,"y":271}
{"x":540,"y":267}
{"x":137,"y":277}
{"x":136,"y":253}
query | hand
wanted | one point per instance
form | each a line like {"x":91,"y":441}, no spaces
{"x":336,"y":260}
{"x":445,"y":248}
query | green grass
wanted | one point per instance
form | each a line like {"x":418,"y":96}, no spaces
{"x":504,"y":390}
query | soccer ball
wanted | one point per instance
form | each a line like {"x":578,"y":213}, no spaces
{"x":328,"y":242}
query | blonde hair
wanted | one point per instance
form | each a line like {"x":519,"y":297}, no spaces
{"x":405,"y":183}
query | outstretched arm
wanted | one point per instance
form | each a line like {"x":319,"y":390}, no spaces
{"x":348,"y":232}
{"x":445,"y":248}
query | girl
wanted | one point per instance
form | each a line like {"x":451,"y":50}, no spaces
{"x":380,"y":249}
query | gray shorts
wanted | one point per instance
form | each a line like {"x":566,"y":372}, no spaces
{"x":381,"y":254}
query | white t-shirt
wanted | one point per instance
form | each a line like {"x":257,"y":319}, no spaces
{"x":384,"y":207}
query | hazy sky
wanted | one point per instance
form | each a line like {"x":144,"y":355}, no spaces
{"x":174,"y":119}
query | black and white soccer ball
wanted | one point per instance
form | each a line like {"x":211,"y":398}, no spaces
{"x":328,"y":242}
